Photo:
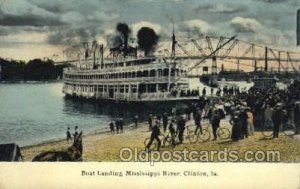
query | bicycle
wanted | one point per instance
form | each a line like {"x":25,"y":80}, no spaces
{"x":203,"y":136}
{"x":222,"y":132}
{"x":154,"y":144}
{"x":167,"y":141}
{"x":267,"y":131}
{"x":288,"y":129}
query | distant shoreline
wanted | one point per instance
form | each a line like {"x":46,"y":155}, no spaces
{"x":29,"y":82}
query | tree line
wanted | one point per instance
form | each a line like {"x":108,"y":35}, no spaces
{"x":33,"y":70}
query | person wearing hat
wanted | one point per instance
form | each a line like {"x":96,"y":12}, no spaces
{"x":277,"y":120}
{"x":236,"y":126}
{"x":250,"y":121}
{"x":154,"y":136}
{"x":215,"y":122}
{"x":180,"y":128}
{"x":112,"y":127}
{"x":69,"y":137}
{"x":268,"y":111}
{"x":204,"y":91}
{"x":165,"y":121}
{"x":297,"y":116}
{"x":150,"y":121}
{"x":121,"y":124}
{"x":197,"y":119}
{"x":172,"y":132}
{"x":243,"y":118}
{"x":76,"y":133}
{"x":136,"y":118}
{"x":117,"y":123}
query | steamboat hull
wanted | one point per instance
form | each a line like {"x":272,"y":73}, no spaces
{"x":135,"y":81}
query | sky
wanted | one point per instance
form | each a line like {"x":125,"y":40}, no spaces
{"x":41,"y":28}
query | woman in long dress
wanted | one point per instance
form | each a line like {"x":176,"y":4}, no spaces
{"x":236,"y":126}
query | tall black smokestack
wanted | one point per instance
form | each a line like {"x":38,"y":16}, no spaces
{"x":124,"y":30}
{"x":147,"y":39}
{"x":298,"y":27}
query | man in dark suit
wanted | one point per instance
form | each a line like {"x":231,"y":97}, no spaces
{"x":215,"y":122}
{"x":154,"y":136}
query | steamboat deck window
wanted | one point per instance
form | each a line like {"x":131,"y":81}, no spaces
{"x":172,"y":72}
{"x":139,"y":74}
{"x":142,"y":88}
{"x":163,"y":87}
{"x":151,"y":88}
{"x":121,"y":88}
{"x":166,"y":72}
{"x":152,"y":73}
{"x":145,"y":73}
{"x":159,"y":72}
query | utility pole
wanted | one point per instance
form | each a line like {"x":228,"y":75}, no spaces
{"x":266,"y":59}
{"x":102,"y":54}
{"x":279,"y":62}
{"x":214,"y":70}
{"x":173,"y":44}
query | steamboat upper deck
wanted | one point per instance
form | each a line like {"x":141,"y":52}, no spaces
{"x":146,"y":79}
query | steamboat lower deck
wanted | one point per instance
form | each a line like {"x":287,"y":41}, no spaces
{"x":138,"y":80}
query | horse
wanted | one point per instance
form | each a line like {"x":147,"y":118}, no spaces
{"x":73,"y":153}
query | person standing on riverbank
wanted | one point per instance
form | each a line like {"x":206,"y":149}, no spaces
{"x":243,"y":117}
{"x":215,"y":122}
{"x":69,"y":136}
{"x":76,"y":133}
{"x":277,"y":119}
{"x":121,"y":124}
{"x":112,"y":127}
{"x":150,"y":122}
{"x":165,"y":121}
{"x":181,"y":128}
{"x":297,"y":117}
{"x":268,"y":111}
{"x":250,"y":121}
{"x":197,"y":120}
{"x":117,"y":123}
{"x":135,"y":119}
{"x":204,"y":92}
{"x":154,"y":136}
{"x":236,"y":126}
{"x":172,"y":132}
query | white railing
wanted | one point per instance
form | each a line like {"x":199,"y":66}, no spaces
{"x":127,"y":80}
{"x":150,"y":66}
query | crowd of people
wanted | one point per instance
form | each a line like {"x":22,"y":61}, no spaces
{"x":117,"y":126}
{"x":247,"y":111}
{"x":75,"y":134}
{"x":76,"y":138}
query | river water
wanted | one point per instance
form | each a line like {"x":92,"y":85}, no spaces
{"x":34,"y":113}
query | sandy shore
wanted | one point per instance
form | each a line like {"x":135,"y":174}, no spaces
{"x":105,"y":146}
